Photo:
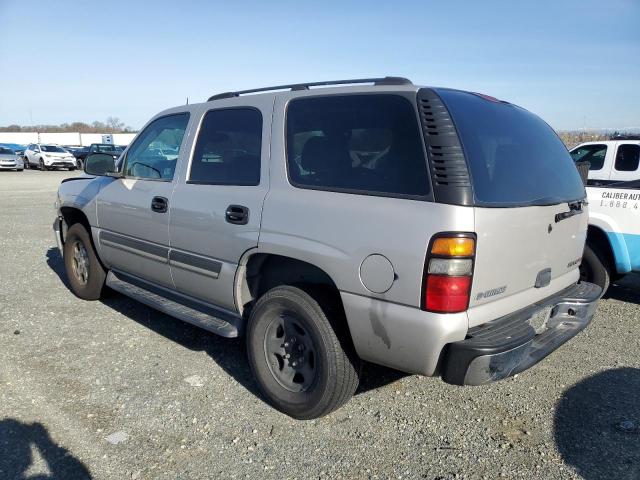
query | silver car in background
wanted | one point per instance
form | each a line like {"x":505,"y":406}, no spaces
{"x":9,"y":160}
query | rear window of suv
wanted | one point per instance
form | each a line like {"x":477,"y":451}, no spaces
{"x":367,"y":144}
{"x":514,"y":157}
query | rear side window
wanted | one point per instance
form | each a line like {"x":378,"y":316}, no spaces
{"x":356,"y":143}
{"x":514,"y":157}
{"x":627,"y":158}
{"x":228,"y":148}
{"x":594,"y":154}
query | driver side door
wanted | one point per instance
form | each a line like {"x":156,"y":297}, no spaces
{"x":133,"y":210}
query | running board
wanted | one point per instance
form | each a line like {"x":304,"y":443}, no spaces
{"x":207,"y":317}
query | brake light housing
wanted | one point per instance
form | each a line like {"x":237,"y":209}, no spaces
{"x":448,"y":272}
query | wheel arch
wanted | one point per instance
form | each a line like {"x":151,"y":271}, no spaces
{"x":260,"y":271}
{"x":73,"y":215}
{"x":598,"y":239}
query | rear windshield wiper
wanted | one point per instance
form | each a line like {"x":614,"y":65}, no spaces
{"x":575,"y":208}
{"x":546,"y":201}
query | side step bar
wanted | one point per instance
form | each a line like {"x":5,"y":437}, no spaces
{"x":190,"y":311}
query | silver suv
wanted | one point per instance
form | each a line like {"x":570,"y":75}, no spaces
{"x":431,"y":230}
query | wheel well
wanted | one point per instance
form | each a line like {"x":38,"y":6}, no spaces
{"x":597,"y":239}
{"x":72,"y":215}
{"x":265,"y":271}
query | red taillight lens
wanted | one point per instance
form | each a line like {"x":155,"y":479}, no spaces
{"x":447,"y":294}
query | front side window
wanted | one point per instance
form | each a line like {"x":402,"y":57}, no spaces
{"x":154,"y":154}
{"x":594,"y":154}
{"x":356,"y":143}
{"x":228,"y":148}
{"x":627,"y":158}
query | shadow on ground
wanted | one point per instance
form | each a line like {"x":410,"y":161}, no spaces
{"x":19,"y":440}
{"x":627,"y":289}
{"x":597,"y":425}
{"x":228,"y":353}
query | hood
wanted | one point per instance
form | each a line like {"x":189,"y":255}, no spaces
{"x":8,"y":156}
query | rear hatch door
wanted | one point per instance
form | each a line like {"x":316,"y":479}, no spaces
{"x":530,"y":215}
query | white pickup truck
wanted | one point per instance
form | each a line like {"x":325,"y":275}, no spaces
{"x":613,"y":190}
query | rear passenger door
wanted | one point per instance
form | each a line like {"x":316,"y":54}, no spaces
{"x":626,"y":164}
{"x":217,"y":205}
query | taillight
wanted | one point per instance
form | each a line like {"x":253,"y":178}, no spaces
{"x":448,"y":273}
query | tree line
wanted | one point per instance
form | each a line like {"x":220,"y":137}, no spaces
{"x":111,"y":125}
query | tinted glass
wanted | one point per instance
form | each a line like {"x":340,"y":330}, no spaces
{"x":52,"y":149}
{"x":5,"y":151}
{"x":515,"y":158}
{"x":627,"y":158}
{"x":594,"y":154}
{"x":228,"y":148}
{"x":356,"y":143}
{"x":154,"y":153}
{"x":107,"y":148}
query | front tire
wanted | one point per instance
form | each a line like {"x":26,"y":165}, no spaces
{"x":43,"y":167}
{"x":84,"y":271}
{"x":595,"y":267}
{"x":303,"y":360}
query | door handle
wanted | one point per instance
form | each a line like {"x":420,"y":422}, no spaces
{"x":159,"y":204}
{"x":237,"y":214}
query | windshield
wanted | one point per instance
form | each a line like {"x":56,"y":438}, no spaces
{"x":52,"y":149}
{"x":6,"y":151}
{"x":514,"y":157}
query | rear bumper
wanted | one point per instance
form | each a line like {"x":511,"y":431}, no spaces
{"x":509,"y":345}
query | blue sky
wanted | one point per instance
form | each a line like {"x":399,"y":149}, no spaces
{"x":575,"y":63}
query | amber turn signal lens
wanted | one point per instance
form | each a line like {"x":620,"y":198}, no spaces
{"x":453,"y":247}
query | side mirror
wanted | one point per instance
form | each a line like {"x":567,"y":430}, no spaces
{"x":100,"y":164}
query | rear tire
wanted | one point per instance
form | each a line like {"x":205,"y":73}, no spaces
{"x":303,"y":361}
{"x":84,"y":271}
{"x":595,"y":267}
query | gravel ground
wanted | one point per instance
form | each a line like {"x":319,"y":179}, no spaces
{"x":116,"y":390}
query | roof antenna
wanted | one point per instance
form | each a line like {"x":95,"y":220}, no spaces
{"x":187,"y":100}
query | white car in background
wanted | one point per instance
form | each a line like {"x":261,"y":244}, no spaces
{"x":9,"y":160}
{"x":48,"y":157}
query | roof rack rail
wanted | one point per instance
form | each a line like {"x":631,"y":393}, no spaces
{"x":305,"y":86}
